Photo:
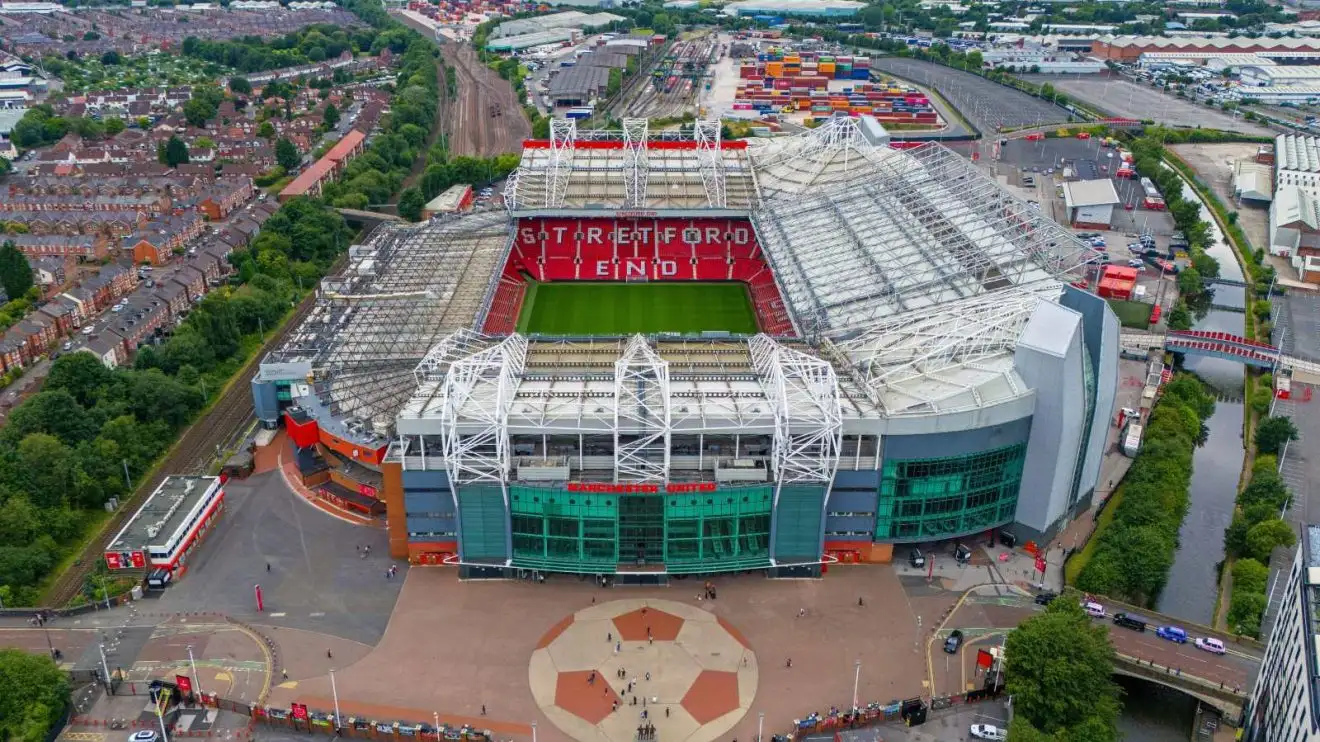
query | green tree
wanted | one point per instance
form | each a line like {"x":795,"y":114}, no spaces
{"x":1250,"y":575}
{"x":286,"y":154}
{"x":204,"y":143}
{"x":1059,"y":671}
{"x":33,"y":694}
{"x":198,"y":111}
{"x":111,"y":58}
{"x":1189,"y":282}
{"x":240,"y":85}
{"x":1264,"y":536}
{"x":114,"y":125}
{"x":411,"y":202}
{"x":1273,"y":433}
{"x":15,"y":271}
{"x":266,"y":130}
{"x":330,"y":117}
{"x":173,"y":152}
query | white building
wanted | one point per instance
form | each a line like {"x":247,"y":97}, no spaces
{"x":1090,"y":203}
{"x":1278,"y":75}
{"x":1284,"y":703}
{"x":1253,"y":181}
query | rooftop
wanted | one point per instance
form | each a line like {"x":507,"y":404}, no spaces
{"x":161,"y":518}
{"x":1080,"y":193}
{"x":1295,"y":152}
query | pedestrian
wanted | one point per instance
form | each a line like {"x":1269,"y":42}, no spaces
{"x":609,"y":637}
{"x":618,"y":647}
{"x":634,"y":700}
{"x":591,"y":679}
{"x":666,"y":712}
{"x":643,"y":701}
{"x":285,"y":673}
{"x":614,"y":705}
{"x":860,"y":601}
{"x":328,"y":655}
{"x":802,"y":612}
{"x":650,"y":640}
{"x":789,"y":664}
{"x":483,"y":709}
{"x":648,"y":676}
{"x":267,"y":566}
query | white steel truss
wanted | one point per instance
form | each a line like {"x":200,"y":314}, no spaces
{"x":563,"y":136}
{"x":478,"y":392}
{"x":636,"y":163}
{"x":641,"y":414}
{"x":463,"y":342}
{"x":711,"y":159}
{"x":804,"y":394}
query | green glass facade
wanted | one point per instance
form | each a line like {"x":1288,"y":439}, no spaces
{"x":563,"y":531}
{"x":928,"y":499}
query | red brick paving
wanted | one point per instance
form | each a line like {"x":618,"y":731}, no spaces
{"x":555,"y":631}
{"x":712,"y":695}
{"x":634,"y":624}
{"x":733,"y":632}
{"x":588,"y":701}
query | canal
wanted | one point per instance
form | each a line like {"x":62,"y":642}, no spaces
{"x":1153,"y":713}
{"x":1192,"y":586}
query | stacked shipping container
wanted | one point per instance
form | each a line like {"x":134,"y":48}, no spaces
{"x":891,"y":103}
{"x":779,"y":63}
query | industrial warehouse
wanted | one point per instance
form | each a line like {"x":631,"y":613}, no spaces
{"x":902,"y":360}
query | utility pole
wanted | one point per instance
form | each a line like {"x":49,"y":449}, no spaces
{"x":127,"y":482}
{"x":196,"y":679}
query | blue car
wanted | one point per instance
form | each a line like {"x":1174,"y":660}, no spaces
{"x":1172,"y":633}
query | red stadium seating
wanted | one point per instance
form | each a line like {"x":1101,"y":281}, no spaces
{"x":638,"y":249}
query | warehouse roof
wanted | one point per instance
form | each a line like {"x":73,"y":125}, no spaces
{"x":1081,"y":193}
{"x":1211,"y":42}
{"x":581,"y":81}
{"x":1295,"y":152}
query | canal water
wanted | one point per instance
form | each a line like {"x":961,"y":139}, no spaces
{"x":1153,"y":713}
{"x":1191,"y":588}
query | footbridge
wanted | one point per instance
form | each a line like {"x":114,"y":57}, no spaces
{"x":368,"y":219}
{"x":1219,"y":345}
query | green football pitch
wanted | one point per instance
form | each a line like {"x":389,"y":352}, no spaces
{"x":627,"y":308}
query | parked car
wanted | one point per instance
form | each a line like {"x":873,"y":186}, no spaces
{"x":1045,"y":598}
{"x":88,"y":330}
{"x":145,"y":735}
{"x":954,"y":641}
{"x":916,"y":558}
{"x":1211,"y":645}
{"x":1136,"y":263}
{"x":1174,"y":634}
{"x":988,"y":731}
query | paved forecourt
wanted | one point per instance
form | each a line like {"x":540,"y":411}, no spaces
{"x":605,"y":670}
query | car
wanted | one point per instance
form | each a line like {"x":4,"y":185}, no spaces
{"x":1211,"y":645}
{"x":67,"y":346}
{"x":962,"y":554}
{"x":1045,"y":598}
{"x":1136,"y":263}
{"x":1175,"y":634}
{"x":88,"y":330}
{"x":988,"y":731}
{"x":144,"y":735}
{"x":916,"y":558}
{"x":1093,"y":609}
{"x":954,"y":641}
{"x":117,"y":308}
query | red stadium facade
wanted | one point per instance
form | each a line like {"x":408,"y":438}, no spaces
{"x":637,"y":248}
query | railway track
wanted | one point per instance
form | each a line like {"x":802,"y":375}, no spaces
{"x":209,"y":434}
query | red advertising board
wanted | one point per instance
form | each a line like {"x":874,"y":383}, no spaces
{"x":367,"y":490}
{"x":299,"y":711}
{"x":184,"y":682}
{"x":112,"y":560}
{"x":139,"y":559}
{"x":1040,"y":564}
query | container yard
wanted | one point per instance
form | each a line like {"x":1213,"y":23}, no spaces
{"x":768,"y":78}
{"x":456,"y":19}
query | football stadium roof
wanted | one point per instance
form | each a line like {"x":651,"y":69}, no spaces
{"x":910,"y":275}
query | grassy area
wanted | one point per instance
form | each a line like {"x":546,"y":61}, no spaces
{"x":1079,"y":560}
{"x":1132,"y":314}
{"x":626,"y":308}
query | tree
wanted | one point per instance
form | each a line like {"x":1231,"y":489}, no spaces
{"x":111,"y":58}
{"x":204,"y":143}
{"x":198,"y":111}
{"x":266,"y":130}
{"x":1189,"y":282}
{"x":1264,"y":536}
{"x":286,"y":154}
{"x":15,"y":271}
{"x":1273,"y":433}
{"x":1059,"y":668}
{"x":173,"y":152}
{"x":330,"y":116}
{"x":240,"y":85}
{"x":114,"y":125}
{"x":411,"y":202}
{"x":33,"y":694}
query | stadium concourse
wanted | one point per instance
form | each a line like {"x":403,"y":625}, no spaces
{"x":571,"y":386}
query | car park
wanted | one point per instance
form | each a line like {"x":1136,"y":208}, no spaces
{"x":988,"y":731}
{"x":1211,"y":645}
{"x":953,"y":642}
{"x":1174,"y":634}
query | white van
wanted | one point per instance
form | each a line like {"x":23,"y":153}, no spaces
{"x":1094,"y":610}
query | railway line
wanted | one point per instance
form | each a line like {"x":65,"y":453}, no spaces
{"x":486,"y":118}
{"x":676,"y":80}
{"x":210,"y":434}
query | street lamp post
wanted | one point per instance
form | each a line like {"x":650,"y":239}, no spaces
{"x":857,"y":677}
{"x":196,"y":679}
{"x":533,"y":731}
{"x":334,"y":692}
{"x":105,"y":668}
{"x":436,"y":714}
{"x":760,"y":723}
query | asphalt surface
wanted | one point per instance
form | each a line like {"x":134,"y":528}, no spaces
{"x":987,"y":105}
{"x":317,"y":579}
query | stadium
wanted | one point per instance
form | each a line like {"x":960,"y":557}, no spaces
{"x":677,"y":355}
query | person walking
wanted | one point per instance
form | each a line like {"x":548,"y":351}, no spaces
{"x":267,"y":566}
{"x":328,"y":655}
{"x":789,"y":663}
{"x":483,"y":709}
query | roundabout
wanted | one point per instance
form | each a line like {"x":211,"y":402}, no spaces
{"x":607,"y":670}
